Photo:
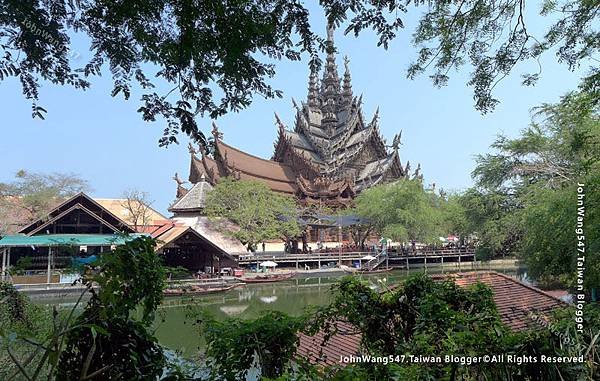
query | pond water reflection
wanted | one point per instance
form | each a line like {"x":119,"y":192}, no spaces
{"x":292,"y":297}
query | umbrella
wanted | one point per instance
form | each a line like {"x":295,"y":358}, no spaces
{"x":268,"y":264}
{"x":368,"y":258}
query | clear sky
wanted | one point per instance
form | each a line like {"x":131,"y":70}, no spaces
{"x":104,"y":140}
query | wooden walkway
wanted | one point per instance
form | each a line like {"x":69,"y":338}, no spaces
{"x":394,"y":259}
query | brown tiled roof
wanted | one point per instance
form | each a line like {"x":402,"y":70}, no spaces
{"x":277,"y":176}
{"x":277,"y":186}
{"x":255,"y":166}
{"x":345,"y":342}
{"x":514,"y":300}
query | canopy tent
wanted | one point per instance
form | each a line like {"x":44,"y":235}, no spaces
{"x":268,"y":264}
{"x":58,"y":240}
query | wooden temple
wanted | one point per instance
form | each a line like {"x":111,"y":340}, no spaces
{"x":330,"y":155}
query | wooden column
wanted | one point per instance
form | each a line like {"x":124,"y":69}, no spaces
{"x":407,"y":266}
{"x":49,"y":274}
{"x":7,"y":259}
{"x":3,"y":264}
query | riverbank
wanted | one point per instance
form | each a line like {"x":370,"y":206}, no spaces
{"x":61,"y":290}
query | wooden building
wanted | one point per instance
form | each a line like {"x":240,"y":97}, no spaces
{"x":330,"y":155}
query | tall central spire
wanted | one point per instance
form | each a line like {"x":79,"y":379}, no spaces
{"x":330,"y":84}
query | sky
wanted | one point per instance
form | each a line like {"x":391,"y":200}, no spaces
{"x":105,"y":141}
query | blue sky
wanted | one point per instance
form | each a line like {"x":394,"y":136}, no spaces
{"x":104,"y":140}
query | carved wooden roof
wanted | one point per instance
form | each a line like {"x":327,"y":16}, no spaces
{"x":330,"y":155}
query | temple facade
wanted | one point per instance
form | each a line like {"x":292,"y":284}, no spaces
{"x":330,"y":155}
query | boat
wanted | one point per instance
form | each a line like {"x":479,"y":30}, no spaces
{"x":268,"y":278}
{"x":197,"y":290}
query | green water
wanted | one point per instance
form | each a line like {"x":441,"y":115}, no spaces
{"x":177,"y":332}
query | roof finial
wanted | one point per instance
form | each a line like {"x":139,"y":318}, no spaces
{"x":347,"y":88}
{"x":279,"y":123}
{"x":215,"y":132}
{"x":397,"y":141}
{"x":191,"y":149}
{"x":330,"y":29}
{"x":178,"y":179}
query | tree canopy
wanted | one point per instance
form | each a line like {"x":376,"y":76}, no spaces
{"x":31,"y":195}
{"x":214,"y":57}
{"x":403,"y":211}
{"x":526,"y":195}
{"x":259,"y":213}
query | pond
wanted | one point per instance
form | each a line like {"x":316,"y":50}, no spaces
{"x":177,"y":332}
{"x":292,"y":297}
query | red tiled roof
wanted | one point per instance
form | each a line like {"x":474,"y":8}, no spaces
{"x":345,"y":342}
{"x":514,"y":300}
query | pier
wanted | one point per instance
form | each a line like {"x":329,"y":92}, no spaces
{"x":331,"y":259}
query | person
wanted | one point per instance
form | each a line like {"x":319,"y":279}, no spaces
{"x":263,"y":246}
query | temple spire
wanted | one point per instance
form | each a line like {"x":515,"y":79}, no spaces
{"x":330,"y":86}
{"x":347,"y":88}
{"x":313,"y":89}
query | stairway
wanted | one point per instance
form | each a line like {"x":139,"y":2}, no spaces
{"x":378,"y":260}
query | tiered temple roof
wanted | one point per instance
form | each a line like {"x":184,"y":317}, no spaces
{"x":331,"y":154}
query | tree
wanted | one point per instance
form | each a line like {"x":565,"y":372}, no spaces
{"x":526,"y":200}
{"x":267,"y":344}
{"x":427,"y":317}
{"x":138,"y":207}
{"x":402,"y":211}
{"x":215,"y":56}
{"x":110,"y":338}
{"x":31,"y":195}
{"x":259,"y":213}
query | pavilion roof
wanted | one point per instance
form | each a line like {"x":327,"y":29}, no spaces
{"x":194,"y":199}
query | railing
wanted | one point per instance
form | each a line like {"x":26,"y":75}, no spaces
{"x":330,"y":256}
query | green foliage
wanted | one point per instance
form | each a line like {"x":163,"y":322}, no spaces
{"x":235,"y":346}
{"x":423,"y":317}
{"x":104,"y":341}
{"x":259,"y":213}
{"x":178,"y":272}
{"x":214,"y":57}
{"x":404,"y":211}
{"x":22,"y":264}
{"x":131,"y":275}
{"x":19,"y":319}
{"x":13,"y":305}
{"x":526,"y":200}
{"x":109,"y":347}
{"x":106,"y":338}
{"x":491,"y":216}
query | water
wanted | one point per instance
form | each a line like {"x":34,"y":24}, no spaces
{"x":178,"y":333}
